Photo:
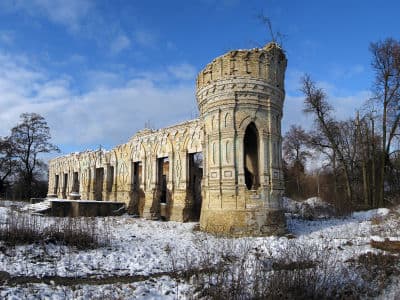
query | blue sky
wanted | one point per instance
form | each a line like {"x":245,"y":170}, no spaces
{"x":99,"y":70}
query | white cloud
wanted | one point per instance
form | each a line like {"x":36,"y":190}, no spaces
{"x":98,"y":79}
{"x":69,"y":13}
{"x":145,"y":38}
{"x":293,"y":113}
{"x":347,"y":72}
{"x":344,"y":107}
{"x":183,"y":71}
{"x":113,"y":115}
{"x":347,"y":106}
{"x":120,"y":43}
{"x":292,"y":80}
{"x":345,"y":103}
{"x":106,"y":114}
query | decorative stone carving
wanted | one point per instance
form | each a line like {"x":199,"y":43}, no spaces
{"x":240,"y":97}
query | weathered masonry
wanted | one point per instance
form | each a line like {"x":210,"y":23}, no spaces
{"x":224,"y":168}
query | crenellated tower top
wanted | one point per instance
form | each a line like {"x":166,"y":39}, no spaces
{"x":267,"y":63}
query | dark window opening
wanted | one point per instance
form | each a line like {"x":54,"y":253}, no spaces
{"x":75,"y":186}
{"x":251,"y":157}
{"x":98,"y":192}
{"x":57,"y":182}
{"x":110,"y":178}
{"x":137,"y":175}
{"x":163,"y":197}
{"x":163,"y":170}
{"x":64,"y":192}
{"x":195,"y":177}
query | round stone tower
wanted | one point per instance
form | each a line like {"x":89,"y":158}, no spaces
{"x":240,"y":97}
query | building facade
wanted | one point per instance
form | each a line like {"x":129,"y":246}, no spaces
{"x":224,"y":168}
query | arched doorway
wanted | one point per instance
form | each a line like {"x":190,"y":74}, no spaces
{"x":250,"y":145}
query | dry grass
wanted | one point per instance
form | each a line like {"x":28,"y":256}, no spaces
{"x":229,"y":271}
{"x":388,"y":225}
{"x":244,"y":272}
{"x":376,"y":271}
{"x":82,"y":233}
{"x":377,"y":220}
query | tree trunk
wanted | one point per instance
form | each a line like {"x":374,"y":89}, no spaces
{"x":335,"y":176}
{"x":349,"y":191}
{"x":365,"y":183}
{"x":364,"y":154}
{"x":373,"y":180}
{"x":383,"y":156}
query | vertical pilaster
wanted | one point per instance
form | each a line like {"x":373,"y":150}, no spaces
{"x":92,"y":183}
{"x":151,"y":208}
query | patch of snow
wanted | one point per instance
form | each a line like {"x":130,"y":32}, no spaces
{"x":162,"y":288}
{"x":81,"y":201}
{"x":311,"y":209}
{"x":12,"y":204}
{"x":37,"y":207}
{"x":369,"y":214}
{"x":289,"y":205}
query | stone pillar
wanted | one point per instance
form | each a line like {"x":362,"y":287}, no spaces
{"x":106,"y":194}
{"x":241,"y":185}
{"x":85,"y":183}
{"x":180,"y":203}
{"x":51,"y":190}
{"x":92,"y":183}
{"x":124,"y":182}
{"x":114,"y":185}
{"x":151,"y":208}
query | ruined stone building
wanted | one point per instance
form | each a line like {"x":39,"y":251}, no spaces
{"x":224,"y":168}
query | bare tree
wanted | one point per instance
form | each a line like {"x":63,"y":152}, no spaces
{"x":296,"y":152}
{"x":364,"y":154}
{"x":295,"y":144}
{"x":386,"y":64}
{"x":276,"y":36}
{"x":316,"y":103}
{"x":7,"y":162}
{"x":30,"y":138}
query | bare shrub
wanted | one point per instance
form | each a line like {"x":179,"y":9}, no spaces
{"x":82,"y":233}
{"x":377,"y":220}
{"x":386,"y":245}
{"x":226,"y":265}
{"x":253,"y":272}
{"x":19,"y":229}
{"x":388,"y":225}
{"x":376,"y":270}
{"x":304,"y":272}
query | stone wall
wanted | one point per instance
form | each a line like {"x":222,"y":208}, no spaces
{"x":146,"y":147}
{"x":240,"y":98}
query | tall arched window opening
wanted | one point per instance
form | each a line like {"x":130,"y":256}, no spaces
{"x":251,"y":145}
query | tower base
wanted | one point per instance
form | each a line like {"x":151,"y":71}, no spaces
{"x":238,"y":223}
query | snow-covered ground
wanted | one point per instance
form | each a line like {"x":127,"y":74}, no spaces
{"x":143,"y":257}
